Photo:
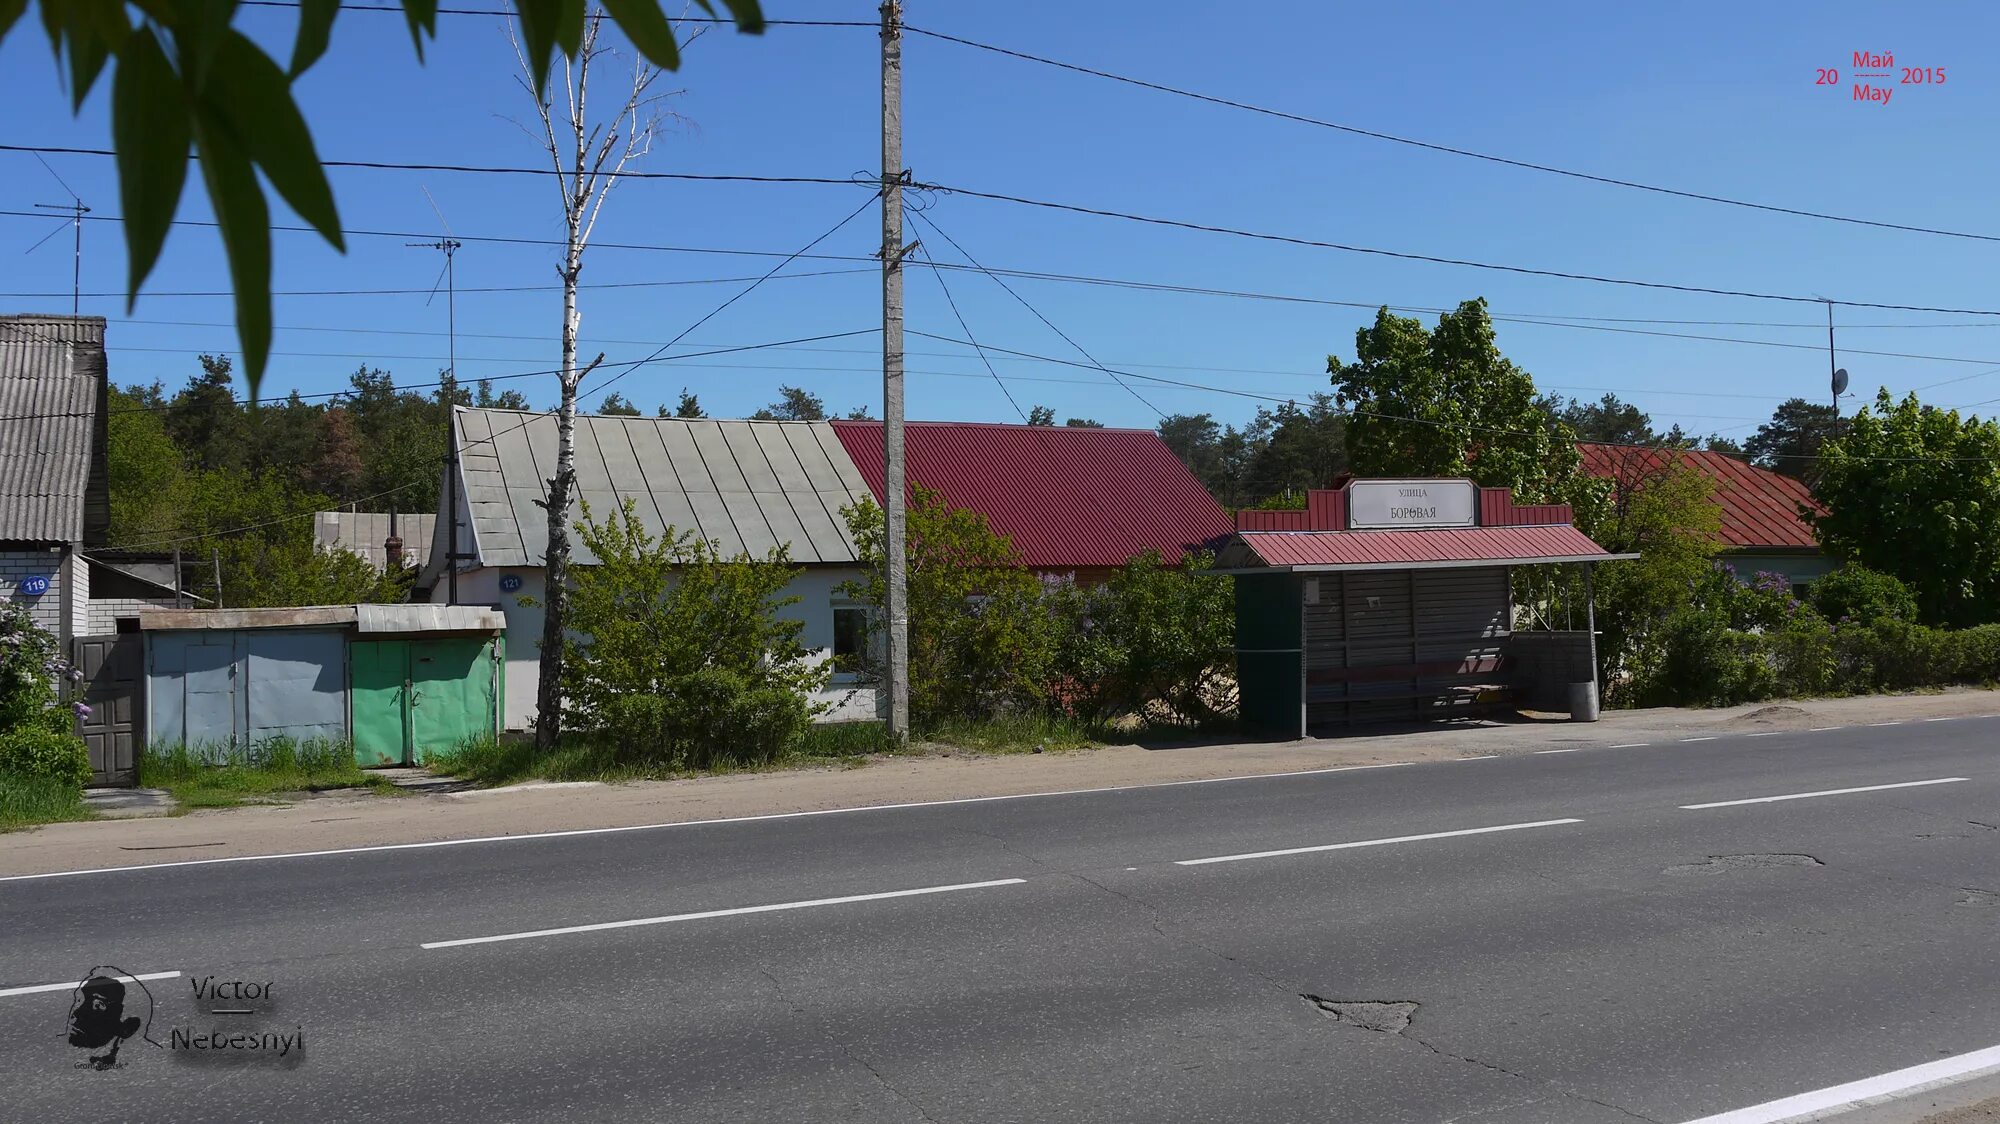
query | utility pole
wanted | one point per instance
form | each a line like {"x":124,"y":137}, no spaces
{"x":1836,"y":377}
{"x":893,"y":484}
{"x":450,"y":246}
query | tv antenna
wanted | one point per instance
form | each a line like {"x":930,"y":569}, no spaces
{"x":1836,"y":372}
{"x":77,"y":210}
{"x":450,"y":246}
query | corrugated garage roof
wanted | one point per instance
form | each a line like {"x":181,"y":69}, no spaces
{"x":1760,"y":508}
{"x":749,"y":485}
{"x":1441,"y":548}
{"x":51,"y":378}
{"x":1067,"y":497}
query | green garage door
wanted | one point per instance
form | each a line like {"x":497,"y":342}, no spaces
{"x":413,"y":698}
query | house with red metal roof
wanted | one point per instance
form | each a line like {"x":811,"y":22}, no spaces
{"x":1075,"y":502}
{"x":1078,"y":501}
{"x":1763,"y":530}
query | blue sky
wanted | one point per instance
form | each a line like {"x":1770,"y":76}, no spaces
{"x":1712,"y":98}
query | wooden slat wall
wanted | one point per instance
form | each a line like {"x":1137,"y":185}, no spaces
{"x":1451,"y":624}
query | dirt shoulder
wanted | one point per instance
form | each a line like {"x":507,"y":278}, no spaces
{"x":338,"y":821}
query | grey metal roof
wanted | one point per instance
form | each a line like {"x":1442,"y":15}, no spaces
{"x":364,"y":532}
{"x":749,"y":485}
{"x":52,"y":372}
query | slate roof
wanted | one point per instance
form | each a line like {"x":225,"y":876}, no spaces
{"x":52,"y":392}
{"x":1439,"y":548}
{"x":1069,"y":498}
{"x":1760,"y":508}
{"x":750,"y":485}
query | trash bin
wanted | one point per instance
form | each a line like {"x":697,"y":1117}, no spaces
{"x":1583,"y":702}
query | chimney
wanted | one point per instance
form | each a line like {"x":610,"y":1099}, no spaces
{"x":392,"y":547}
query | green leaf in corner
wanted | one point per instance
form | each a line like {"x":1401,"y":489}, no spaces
{"x":647,"y":27}
{"x":238,"y":202}
{"x":253,"y":99}
{"x":315,"y":29}
{"x":538,"y":20}
{"x":422,"y":16}
{"x":748,"y":14}
{"x":10,"y":10}
{"x":149,"y":127}
{"x":569,"y":26}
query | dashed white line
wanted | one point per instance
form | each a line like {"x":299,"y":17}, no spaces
{"x":1767,"y":734}
{"x":1630,"y":745}
{"x":738,"y":912}
{"x":1946,"y":718}
{"x":1825,"y":792}
{"x":1708,"y":738}
{"x":1898,"y":722}
{"x":1902,"y":1082}
{"x":1539,"y":752}
{"x":32,"y":989}
{"x":1372,"y":842}
{"x":1483,"y":757}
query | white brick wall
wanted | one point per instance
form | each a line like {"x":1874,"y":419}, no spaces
{"x":18,"y":565}
{"x":76,"y":572}
{"x":104,"y":612}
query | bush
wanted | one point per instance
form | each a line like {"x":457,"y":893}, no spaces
{"x":34,"y":751}
{"x":1864,"y":596}
{"x":1703,"y":662}
{"x":703,"y":720}
{"x":1979,"y":654}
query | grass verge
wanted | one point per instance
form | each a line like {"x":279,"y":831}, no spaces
{"x":26,"y":801}
{"x":219,"y":776}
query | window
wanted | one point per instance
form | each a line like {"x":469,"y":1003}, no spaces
{"x":850,"y":638}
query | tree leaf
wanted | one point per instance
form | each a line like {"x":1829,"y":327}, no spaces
{"x":748,"y":14}
{"x":569,"y":26}
{"x":538,"y":19}
{"x":93,"y":31}
{"x":149,"y":128}
{"x":238,"y":202}
{"x":421,"y":15}
{"x":315,"y":29}
{"x":253,"y":97}
{"x":647,"y":27}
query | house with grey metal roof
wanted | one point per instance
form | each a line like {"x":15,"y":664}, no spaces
{"x":54,"y":492}
{"x":747,"y":485}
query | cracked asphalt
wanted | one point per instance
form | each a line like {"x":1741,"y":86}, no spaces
{"x":1646,"y":962}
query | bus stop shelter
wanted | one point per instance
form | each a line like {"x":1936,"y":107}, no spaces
{"x":1390,"y":600}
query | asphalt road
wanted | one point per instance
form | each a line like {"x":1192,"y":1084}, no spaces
{"x":1557,"y":937}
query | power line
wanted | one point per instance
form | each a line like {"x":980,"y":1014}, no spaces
{"x":932,"y":224}
{"x":1404,"y":255}
{"x":397,"y":8}
{"x":963,"y":327}
{"x":1443,"y":148}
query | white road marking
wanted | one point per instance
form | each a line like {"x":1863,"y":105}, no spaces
{"x":35,"y":988}
{"x":1767,"y":734}
{"x":738,"y":912}
{"x":1540,"y":752}
{"x":1902,"y":1082}
{"x":1708,"y":738}
{"x":1898,"y":722}
{"x":1946,"y":718}
{"x":1482,"y":757}
{"x":1827,"y":792}
{"x":1630,"y":745}
{"x":697,"y":823}
{"x":1372,"y":842}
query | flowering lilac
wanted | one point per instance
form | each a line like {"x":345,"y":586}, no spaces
{"x":82,"y":711}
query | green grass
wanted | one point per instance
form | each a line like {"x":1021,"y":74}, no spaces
{"x":1019,"y":733}
{"x":208,"y":775}
{"x":26,"y":801}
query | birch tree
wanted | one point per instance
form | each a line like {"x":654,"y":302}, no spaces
{"x":588,"y":155}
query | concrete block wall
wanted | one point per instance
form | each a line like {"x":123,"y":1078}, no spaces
{"x":20,"y":564}
{"x":1543,"y":665}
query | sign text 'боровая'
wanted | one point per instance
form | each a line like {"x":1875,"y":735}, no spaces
{"x":1384,"y":504}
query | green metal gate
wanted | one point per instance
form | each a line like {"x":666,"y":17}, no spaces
{"x":413,"y":698}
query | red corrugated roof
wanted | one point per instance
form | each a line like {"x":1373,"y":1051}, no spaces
{"x":1760,"y":508}
{"x":1498,"y":546}
{"x":1067,"y":497}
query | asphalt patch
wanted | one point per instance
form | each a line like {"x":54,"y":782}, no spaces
{"x":1731,"y":864}
{"x":1382,"y":1016}
{"x":1978,"y":898}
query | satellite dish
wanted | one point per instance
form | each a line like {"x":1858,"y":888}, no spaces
{"x":1840,"y":382}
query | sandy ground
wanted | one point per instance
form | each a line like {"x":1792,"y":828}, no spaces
{"x":357,"y":820}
